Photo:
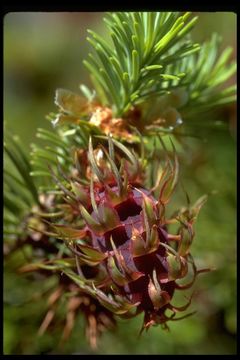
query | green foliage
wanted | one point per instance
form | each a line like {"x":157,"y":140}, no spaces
{"x":57,"y":154}
{"x":152,"y":55}
{"x":20,"y":191}
{"x":135,"y":66}
{"x":206,"y":72}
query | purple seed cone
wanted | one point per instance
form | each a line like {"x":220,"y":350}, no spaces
{"x":125,"y":256}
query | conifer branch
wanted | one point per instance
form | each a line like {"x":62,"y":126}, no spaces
{"x":135,"y":66}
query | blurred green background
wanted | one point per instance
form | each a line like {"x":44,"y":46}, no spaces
{"x":44,"y":51}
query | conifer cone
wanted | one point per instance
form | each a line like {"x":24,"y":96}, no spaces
{"x":125,"y":256}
